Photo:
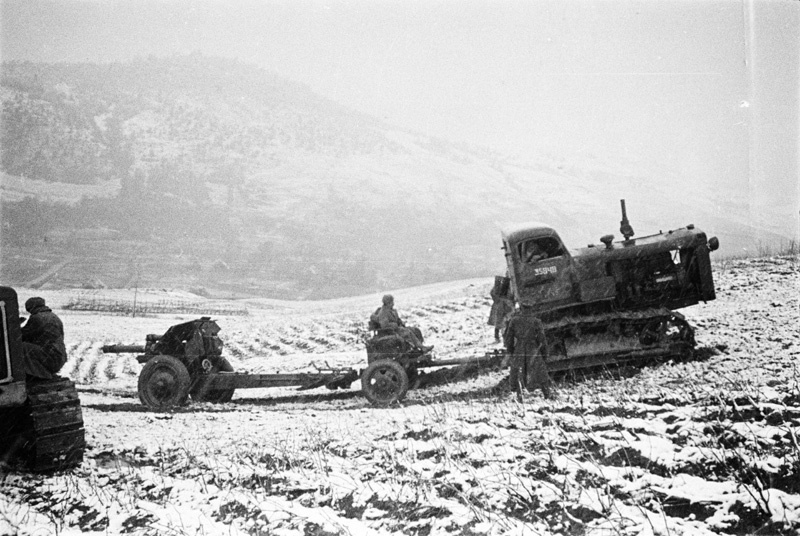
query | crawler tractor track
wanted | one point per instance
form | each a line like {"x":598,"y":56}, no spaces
{"x":46,"y":433}
{"x":615,"y":338}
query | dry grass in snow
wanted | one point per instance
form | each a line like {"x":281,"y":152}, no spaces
{"x":708,"y":446}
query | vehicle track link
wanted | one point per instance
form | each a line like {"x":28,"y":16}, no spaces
{"x":45,"y":434}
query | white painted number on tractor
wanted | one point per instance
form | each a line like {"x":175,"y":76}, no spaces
{"x":545,"y":270}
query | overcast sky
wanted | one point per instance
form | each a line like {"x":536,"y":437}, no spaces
{"x":707,"y":89}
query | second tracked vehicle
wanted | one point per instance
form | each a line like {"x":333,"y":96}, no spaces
{"x":611,"y":302}
{"x":41,"y":422}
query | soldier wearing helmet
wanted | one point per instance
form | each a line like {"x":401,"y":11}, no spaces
{"x":42,"y":341}
{"x":386,"y":317}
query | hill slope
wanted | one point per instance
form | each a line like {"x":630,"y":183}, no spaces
{"x":206,"y":173}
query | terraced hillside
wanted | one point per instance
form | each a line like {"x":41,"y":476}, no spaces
{"x":209,"y":174}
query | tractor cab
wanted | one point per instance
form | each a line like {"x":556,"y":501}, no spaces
{"x":669,"y":269}
{"x":539,"y":265}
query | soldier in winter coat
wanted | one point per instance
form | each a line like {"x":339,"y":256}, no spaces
{"x":502,"y":306}
{"x":42,"y":341}
{"x":386,"y":317}
{"x":526,"y":343}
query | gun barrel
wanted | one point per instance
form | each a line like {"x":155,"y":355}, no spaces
{"x":123,"y":349}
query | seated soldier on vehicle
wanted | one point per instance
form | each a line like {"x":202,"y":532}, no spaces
{"x":534,"y":252}
{"x":386,"y":317}
{"x":42,"y":341}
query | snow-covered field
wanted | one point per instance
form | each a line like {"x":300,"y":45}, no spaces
{"x":701,"y":447}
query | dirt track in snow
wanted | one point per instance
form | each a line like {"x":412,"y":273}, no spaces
{"x":702,"y":447}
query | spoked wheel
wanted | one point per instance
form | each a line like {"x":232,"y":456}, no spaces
{"x":201,"y":393}
{"x":163,"y":383}
{"x":384,"y":382}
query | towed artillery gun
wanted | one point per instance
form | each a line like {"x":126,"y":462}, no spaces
{"x":41,"y":424}
{"x":614,"y":302}
{"x":187,"y":361}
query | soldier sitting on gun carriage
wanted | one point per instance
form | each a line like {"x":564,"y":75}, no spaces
{"x":385,"y":318}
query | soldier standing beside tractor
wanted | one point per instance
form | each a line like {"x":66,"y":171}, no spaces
{"x":502,"y":305}
{"x":526,"y":343}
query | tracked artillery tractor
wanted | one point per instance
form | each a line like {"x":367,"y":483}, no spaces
{"x":41,"y":424}
{"x":613,"y":302}
{"x":186,"y":361}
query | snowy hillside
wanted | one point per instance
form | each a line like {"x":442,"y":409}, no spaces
{"x":706,"y":446}
{"x":209,"y":174}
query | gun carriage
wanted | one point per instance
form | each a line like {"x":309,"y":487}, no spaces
{"x":187,"y":361}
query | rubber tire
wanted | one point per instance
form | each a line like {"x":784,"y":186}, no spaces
{"x":384,"y":382}
{"x":164,"y":383}
{"x":215,"y":396}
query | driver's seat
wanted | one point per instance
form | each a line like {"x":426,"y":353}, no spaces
{"x":376,"y":329}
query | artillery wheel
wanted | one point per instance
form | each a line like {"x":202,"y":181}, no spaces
{"x":384,"y":382}
{"x":215,"y":396}
{"x":164,"y":383}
